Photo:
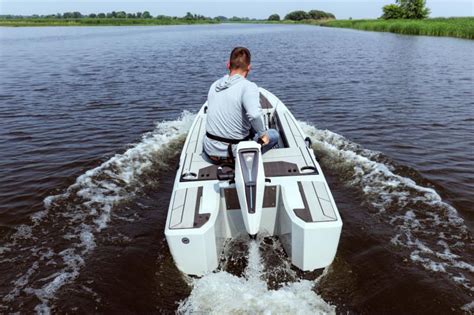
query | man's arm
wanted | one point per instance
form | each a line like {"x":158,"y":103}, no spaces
{"x":251,"y":103}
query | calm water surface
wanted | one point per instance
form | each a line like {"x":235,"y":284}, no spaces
{"x":91,"y":124}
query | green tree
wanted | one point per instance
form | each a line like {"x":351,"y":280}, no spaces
{"x":297,"y":16}
{"x":406,"y":9}
{"x":318,"y":15}
{"x":189,"y":16}
{"x":414,"y":9}
{"x":93,"y":15}
{"x":274,"y":17}
{"x":139,"y":15}
{"x":392,"y":11}
{"x":101,"y":15}
{"x":146,"y":15}
{"x":121,"y":15}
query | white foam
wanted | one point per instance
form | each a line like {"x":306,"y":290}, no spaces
{"x":98,"y":190}
{"x":20,"y":282}
{"x":224,"y":293}
{"x":416,"y":212}
{"x":469,"y":307}
{"x":23,"y":232}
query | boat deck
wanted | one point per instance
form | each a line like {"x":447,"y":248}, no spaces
{"x":281,"y":161}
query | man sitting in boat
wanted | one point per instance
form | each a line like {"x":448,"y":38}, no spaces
{"x":234,"y":112}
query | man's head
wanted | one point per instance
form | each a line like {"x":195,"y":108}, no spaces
{"x":239,"y":61}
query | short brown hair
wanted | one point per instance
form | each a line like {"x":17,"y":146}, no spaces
{"x":239,"y":58}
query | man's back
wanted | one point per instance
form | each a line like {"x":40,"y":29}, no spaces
{"x":233,"y":108}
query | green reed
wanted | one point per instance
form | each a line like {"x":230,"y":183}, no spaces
{"x":452,"y":27}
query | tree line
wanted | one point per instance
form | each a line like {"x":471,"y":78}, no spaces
{"x":109,"y":15}
{"x":300,"y":15}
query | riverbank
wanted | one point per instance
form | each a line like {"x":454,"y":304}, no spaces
{"x":450,"y":27}
{"x":99,"y":22}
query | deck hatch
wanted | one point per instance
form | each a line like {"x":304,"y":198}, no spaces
{"x":232,"y":199}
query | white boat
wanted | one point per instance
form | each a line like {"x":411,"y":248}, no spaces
{"x":281,"y":193}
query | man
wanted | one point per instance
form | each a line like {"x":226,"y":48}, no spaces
{"x":234,"y":113}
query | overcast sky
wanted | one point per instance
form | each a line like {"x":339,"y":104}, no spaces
{"x":253,"y":9}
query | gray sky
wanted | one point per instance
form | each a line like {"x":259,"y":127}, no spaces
{"x":253,"y":9}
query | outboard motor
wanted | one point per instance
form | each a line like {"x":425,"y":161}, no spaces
{"x":250,"y":184}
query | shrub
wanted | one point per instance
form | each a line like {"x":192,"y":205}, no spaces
{"x":274,"y":17}
{"x":121,"y":15}
{"x":297,"y":16}
{"x":319,"y":15}
{"x":392,"y":11}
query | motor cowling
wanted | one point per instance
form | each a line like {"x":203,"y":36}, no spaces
{"x":250,"y":183}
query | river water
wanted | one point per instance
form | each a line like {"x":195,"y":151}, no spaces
{"x":92,"y":120}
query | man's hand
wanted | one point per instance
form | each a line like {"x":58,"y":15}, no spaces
{"x":265,"y":139}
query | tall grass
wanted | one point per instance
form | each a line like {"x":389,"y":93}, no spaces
{"x":452,"y":27}
{"x":97,"y":21}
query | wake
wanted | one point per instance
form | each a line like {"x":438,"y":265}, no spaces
{"x":82,"y":212}
{"x":424,"y":223}
{"x":225,"y":293}
{"x":52,"y":250}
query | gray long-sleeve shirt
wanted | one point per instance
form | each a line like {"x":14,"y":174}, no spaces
{"x":233,"y":107}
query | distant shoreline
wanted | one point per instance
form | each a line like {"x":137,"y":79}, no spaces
{"x":33,"y":22}
{"x":462,"y":27}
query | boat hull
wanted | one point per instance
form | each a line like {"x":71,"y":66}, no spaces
{"x":298,"y":206}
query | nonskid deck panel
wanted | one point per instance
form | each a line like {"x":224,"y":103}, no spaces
{"x":317,"y":206}
{"x":232,"y":200}
{"x":185,"y":210}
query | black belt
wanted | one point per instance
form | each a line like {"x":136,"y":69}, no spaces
{"x":226,"y":140}
{"x":229,"y":141}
